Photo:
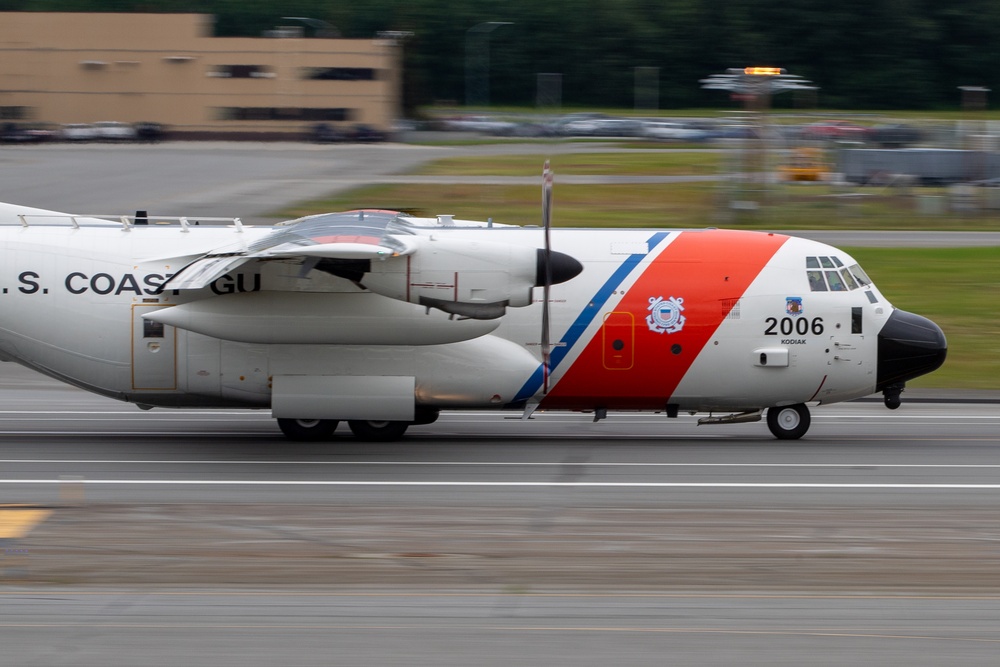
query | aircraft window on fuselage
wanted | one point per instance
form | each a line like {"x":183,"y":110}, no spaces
{"x":849,"y":279}
{"x":871,"y":297}
{"x":825,"y":261}
{"x":816,"y":281}
{"x":836,"y":284}
{"x":812,"y":263}
{"x":837,"y":262}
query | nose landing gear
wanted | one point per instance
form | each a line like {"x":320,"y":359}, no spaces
{"x":789,"y":422}
{"x":891,"y":395}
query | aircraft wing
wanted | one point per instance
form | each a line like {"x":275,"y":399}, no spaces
{"x":474,"y":279}
{"x":350,"y":235}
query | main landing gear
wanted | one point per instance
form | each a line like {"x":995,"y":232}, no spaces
{"x":789,"y":422}
{"x":384,"y":431}
{"x":308,"y":430}
{"x":318,"y":430}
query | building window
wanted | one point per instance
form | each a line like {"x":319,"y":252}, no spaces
{"x":241,"y":72}
{"x":283,"y":113}
{"x":14,"y":113}
{"x":340,"y":73}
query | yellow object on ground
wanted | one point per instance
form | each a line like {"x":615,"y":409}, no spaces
{"x":16,"y":521}
{"x":806,"y":164}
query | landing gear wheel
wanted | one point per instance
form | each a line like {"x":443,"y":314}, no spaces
{"x":308,"y":430}
{"x":789,"y":422}
{"x":378,"y":431}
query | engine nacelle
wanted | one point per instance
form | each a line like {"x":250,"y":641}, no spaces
{"x":473,"y":279}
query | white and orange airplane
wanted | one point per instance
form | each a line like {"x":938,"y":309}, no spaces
{"x":383,"y":319}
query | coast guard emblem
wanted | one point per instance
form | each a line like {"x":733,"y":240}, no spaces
{"x":665,"y":315}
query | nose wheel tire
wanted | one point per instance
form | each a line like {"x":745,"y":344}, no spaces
{"x":789,"y":422}
{"x":308,"y":430}
{"x":378,"y":431}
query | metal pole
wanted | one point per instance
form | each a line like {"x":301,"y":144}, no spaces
{"x":477,"y":62}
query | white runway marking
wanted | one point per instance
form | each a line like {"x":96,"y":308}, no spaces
{"x":527,"y":464}
{"x":610,"y":485}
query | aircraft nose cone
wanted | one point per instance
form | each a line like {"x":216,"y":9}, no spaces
{"x":564,"y":267}
{"x":908,"y":346}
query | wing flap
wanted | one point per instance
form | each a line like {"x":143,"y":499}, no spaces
{"x":203,"y":272}
{"x":333,"y":251}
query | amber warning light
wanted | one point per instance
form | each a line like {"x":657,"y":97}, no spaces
{"x":763,"y":71}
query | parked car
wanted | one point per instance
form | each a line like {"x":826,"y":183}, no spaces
{"x":618,"y":127}
{"x":366,"y":134}
{"x":12,"y":133}
{"x":146,"y":131}
{"x":78,"y":132}
{"x":485,"y":124}
{"x":894,"y":136}
{"x":736,"y":131}
{"x":111,"y":130}
{"x":532,"y":130}
{"x":42,"y":132}
{"x":835,"y":130}
{"x":672,"y":131}
{"x":577,"y":124}
{"x":324,"y":133}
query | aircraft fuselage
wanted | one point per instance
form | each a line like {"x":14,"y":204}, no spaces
{"x":692,"y":320}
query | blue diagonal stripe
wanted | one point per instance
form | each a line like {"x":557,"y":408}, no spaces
{"x":586,"y":316}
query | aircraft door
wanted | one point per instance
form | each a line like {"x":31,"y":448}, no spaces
{"x":154,"y":352}
{"x":618,"y":341}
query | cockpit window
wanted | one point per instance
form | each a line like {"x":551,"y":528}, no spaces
{"x":849,"y":279}
{"x":816,"y":281}
{"x":836,"y":278}
{"x":836,"y":283}
{"x":861,"y":276}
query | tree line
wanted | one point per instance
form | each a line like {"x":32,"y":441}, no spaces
{"x":862,"y":54}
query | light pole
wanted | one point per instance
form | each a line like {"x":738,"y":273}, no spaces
{"x":972,"y":131}
{"x":755,"y":85}
{"x":477,"y":62}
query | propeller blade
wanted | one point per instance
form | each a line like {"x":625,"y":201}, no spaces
{"x":546,"y":224}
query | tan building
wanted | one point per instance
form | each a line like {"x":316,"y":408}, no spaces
{"x":168,"y":68}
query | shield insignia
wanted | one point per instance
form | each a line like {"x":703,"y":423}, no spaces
{"x":665,"y":315}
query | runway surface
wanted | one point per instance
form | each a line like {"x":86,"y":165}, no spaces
{"x":204,"y":536}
